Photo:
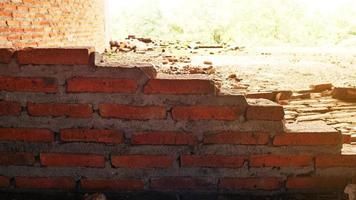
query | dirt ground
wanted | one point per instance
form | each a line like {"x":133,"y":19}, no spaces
{"x":259,"y":69}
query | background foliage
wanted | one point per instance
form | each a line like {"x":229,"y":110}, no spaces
{"x":252,"y":22}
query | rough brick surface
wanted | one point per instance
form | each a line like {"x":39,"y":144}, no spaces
{"x":327,"y":161}
{"x":113,"y":184}
{"x":60,"y":109}
{"x":26,"y":134}
{"x":237,"y":138}
{"x":16,"y":158}
{"x":72,"y":160}
{"x":316,"y":183}
{"x":65,"y":25}
{"x":101,"y":85}
{"x":53,"y":56}
{"x":91,"y":135}
{"x":142,"y":161}
{"x":4,"y":182}
{"x":215,"y":161}
{"x":6,"y":55}
{"x":250,"y":183}
{"x":132,"y":112}
{"x":280,"y":160}
{"x":179,"y":183}
{"x":265,"y":112}
{"x":28,"y":84}
{"x":10,"y":108}
{"x":206,"y":113}
{"x":163,"y":138}
{"x":307,"y":139}
{"x":308,"y":134}
{"x":179,"y":86}
{"x":45,"y":182}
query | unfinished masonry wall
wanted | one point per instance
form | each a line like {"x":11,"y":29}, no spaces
{"x":67,"y":124}
{"x":29,"y":23}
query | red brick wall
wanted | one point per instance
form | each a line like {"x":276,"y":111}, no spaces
{"x":72,"y":125}
{"x":32,"y":23}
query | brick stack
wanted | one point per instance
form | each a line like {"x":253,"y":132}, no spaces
{"x":68,"y":124}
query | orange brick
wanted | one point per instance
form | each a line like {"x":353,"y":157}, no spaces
{"x":237,"y":138}
{"x":206,"y":113}
{"x":307,"y":139}
{"x":163,"y":138}
{"x":112,"y":184}
{"x":142,"y":161}
{"x":267,"y":112}
{"x":16,"y":158}
{"x":132,"y":112}
{"x":214,"y":161}
{"x":280,"y":160}
{"x":90,"y":135}
{"x":105,"y":85}
{"x":327,"y":161}
{"x":45,"y":182}
{"x":60,"y":56}
{"x":316,"y":183}
{"x":10,"y":108}
{"x":250,"y":183}
{"x":179,"y":86}
{"x":28,"y":84}
{"x":72,"y":160}
{"x":26,"y":134}
{"x":60,"y":109}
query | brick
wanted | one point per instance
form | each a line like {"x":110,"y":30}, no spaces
{"x":113,"y":184}
{"x":316,"y":183}
{"x":10,"y":108}
{"x":347,"y":94}
{"x":91,"y":135}
{"x":179,"y":183}
{"x":237,"y":138}
{"x":250,"y":183}
{"x":179,"y":86}
{"x":308,"y":133}
{"x":16,"y":158}
{"x":132,"y":112}
{"x":214,"y":161}
{"x":45,"y":182}
{"x":28,"y":84}
{"x":327,"y":161}
{"x":307,"y":139}
{"x":26,"y":134}
{"x":163,"y":138}
{"x":262,"y":95}
{"x":6,"y":55}
{"x":54,"y":56}
{"x":4,"y":182}
{"x":206,"y":113}
{"x":60,"y":109}
{"x":101,"y":85}
{"x":72,"y":160}
{"x":266,"y":112}
{"x":280,"y":161}
{"x":142,"y":161}
{"x":321,"y":87}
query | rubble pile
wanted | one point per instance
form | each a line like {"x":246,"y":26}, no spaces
{"x":336,"y":105}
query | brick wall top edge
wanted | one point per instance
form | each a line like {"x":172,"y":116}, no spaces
{"x":309,"y":127}
{"x":55,"y":56}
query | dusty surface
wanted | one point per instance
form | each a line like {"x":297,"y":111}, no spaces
{"x":250,"y":70}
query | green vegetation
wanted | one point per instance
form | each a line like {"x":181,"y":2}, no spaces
{"x":252,"y":22}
